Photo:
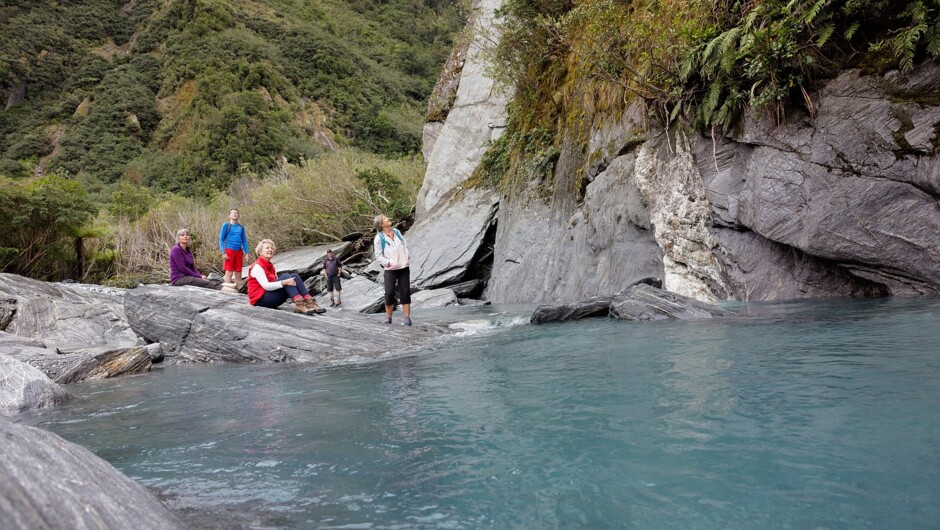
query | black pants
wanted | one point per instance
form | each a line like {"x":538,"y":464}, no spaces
{"x":198,"y":282}
{"x":401,"y":277}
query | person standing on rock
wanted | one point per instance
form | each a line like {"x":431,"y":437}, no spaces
{"x":267,"y":289}
{"x":233,"y":242}
{"x":332,"y":269}
{"x":183,"y":267}
{"x":391,"y":251}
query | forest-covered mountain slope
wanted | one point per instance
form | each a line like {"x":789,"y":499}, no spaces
{"x":185,"y":95}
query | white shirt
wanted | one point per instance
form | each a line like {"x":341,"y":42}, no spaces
{"x":395,"y":256}
{"x":257,"y":273}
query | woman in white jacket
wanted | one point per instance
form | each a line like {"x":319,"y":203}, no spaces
{"x":391,"y":251}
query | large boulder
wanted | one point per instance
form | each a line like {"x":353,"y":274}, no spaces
{"x":112,"y":362}
{"x":306,"y":261}
{"x":201,"y":325}
{"x":433,"y":298}
{"x":645,"y":302}
{"x":66,"y":315}
{"x":359,"y":294}
{"x":51,"y":483}
{"x":444,"y":244}
{"x":23,"y":387}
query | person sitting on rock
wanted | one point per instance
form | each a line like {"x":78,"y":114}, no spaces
{"x":267,"y":289}
{"x":183,"y":268}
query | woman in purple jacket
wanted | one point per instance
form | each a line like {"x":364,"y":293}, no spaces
{"x":183,"y":269}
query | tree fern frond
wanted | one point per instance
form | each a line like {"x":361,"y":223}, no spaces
{"x":729,"y":50}
{"x":824,"y":33}
{"x":813,"y":11}
{"x":850,"y":31}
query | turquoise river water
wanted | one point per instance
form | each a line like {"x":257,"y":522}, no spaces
{"x":801,"y":415}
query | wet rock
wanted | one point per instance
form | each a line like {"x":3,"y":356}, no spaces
{"x":433,"y":298}
{"x":23,"y":387}
{"x":51,"y":483}
{"x":560,"y":312}
{"x":199,"y":325}
{"x":645,"y":302}
{"x":113,"y":362}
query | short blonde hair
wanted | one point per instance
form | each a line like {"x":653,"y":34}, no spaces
{"x":378,"y":222}
{"x":262,"y":244}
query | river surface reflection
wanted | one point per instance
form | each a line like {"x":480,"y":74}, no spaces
{"x":818,"y":414}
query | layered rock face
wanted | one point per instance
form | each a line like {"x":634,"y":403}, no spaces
{"x":200,"y":325}
{"x":843,"y":203}
{"x":51,"y":483}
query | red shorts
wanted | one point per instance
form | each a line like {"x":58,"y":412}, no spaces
{"x":234,"y":261}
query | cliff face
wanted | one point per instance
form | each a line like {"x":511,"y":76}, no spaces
{"x":843,"y":203}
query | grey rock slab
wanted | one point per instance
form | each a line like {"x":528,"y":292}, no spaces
{"x":606,"y":244}
{"x":360,"y":294}
{"x":477,"y":116}
{"x":113,"y":362}
{"x":647,"y":303}
{"x":443,"y":244}
{"x":560,"y":312}
{"x":51,"y":483}
{"x":308,"y":261}
{"x":760,"y":269}
{"x":65,"y":314}
{"x":433,"y":298}
{"x":23,"y":387}
{"x":200,"y":325}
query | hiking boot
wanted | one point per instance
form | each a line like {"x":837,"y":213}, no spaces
{"x":406,"y":322}
{"x":301,"y":307}
{"x":388,"y":320}
{"x":314,"y":307}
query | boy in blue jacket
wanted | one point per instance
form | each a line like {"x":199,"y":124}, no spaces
{"x":234,"y":246}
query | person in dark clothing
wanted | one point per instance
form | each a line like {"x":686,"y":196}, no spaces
{"x":183,"y":267}
{"x":332,"y":269}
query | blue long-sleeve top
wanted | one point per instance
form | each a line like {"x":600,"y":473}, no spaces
{"x":235,"y":240}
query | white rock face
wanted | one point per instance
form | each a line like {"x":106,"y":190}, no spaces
{"x":680,"y":216}
{"x":23,"y":388}
{"x":477,"y":116}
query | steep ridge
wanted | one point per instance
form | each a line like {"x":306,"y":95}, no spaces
{"x":843,"y":203}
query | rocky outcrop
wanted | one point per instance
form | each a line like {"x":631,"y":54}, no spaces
{"x":23,"y":387}
{"x":444,"y":244}
{"x":360,"y":294}
{"x":844,"y":203}
{"x":641,"y":301}
{"x":307,"y":261}
{"x":433,"y":298}
{"x":113,"y":362}
{"x":63,"y":315}
{"x":645,"y":302}
{"x":199,"y":325}
{"x":51,"y":483}
{"x":476,"y":116}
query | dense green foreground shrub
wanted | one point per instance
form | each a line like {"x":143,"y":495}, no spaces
{"x":186,"y":95}
{"x":318,"y":201}
{"x":703,"y":61}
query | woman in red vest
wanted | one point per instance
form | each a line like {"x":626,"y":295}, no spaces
{"x":267,"y":289}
